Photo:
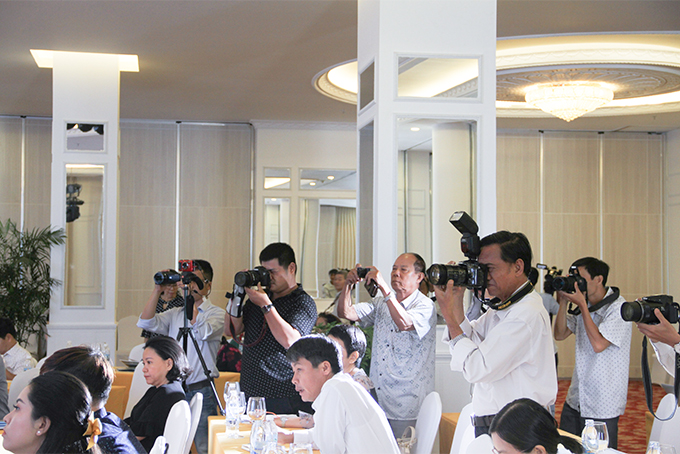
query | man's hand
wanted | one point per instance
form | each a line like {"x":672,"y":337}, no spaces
{"x":450,"y":299}
{"x":258,"y":296}
{"x":577,"y":298}
{"x":375,"y":275}
{"x":663,"y":332}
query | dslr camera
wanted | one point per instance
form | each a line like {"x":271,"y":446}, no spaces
{"x":642,"y":311}
{"x":243,"y":279}
{"x":469,"y":273}
{"x":167,"y":277}
{"x":566,"y":283}
{"x":550,"y":275}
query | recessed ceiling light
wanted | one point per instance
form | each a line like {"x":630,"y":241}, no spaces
{"x":330,"y":177}
{"x":312,"y":183}
{"x":415,"y":129}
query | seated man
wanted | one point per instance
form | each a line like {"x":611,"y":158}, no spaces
{"x":346,"y":419}
{"x":92,"y":368}
{"x":17,"y":359}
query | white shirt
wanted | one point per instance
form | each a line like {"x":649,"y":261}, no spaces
{"x":17,"y":359}
{"x":507,"y":354}
{"x":599,"y":385}
{"x":666,"y":356}
{"x":348,"y":420}
{"x":402,"y":362}
{"x":207,"y":331}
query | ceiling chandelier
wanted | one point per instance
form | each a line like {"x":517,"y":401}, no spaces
{"x":569,"y":100}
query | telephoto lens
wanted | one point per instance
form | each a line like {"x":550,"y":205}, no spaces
{"x":250,"y":278}
{"x":166,"y":277}
{"x":441,"y":274}
{"x":566,"y":283}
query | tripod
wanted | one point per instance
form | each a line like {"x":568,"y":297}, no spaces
{"x":185,"y":332}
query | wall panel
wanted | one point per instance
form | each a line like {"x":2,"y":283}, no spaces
{"x":10,"y":169}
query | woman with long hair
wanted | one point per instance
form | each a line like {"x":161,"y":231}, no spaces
{"x":524,"y":426}
{"x":165,"y":367}
{"x":51,"y":415}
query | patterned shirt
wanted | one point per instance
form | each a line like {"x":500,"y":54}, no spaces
{"x":162,"y":306}
{"x":17,"y":359}
{"x":265,"y":371}
{"x":604,"y":375}
{"x":116,"y":436}
{"x":402,"y":362}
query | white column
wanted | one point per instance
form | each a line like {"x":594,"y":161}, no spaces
{"x":85,"y":90}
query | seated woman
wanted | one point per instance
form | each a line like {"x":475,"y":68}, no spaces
{"x":524,"y":426}
{"x":51,"y":415}
{"x":165,"y":366}
{"x":352,"y":343}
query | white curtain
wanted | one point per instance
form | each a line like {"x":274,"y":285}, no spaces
{"x":345,"y":237}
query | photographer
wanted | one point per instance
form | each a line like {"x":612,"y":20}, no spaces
{"x":207,"y":326}
{"x":599,"y":385}
{"x":271,"y":323}
{"x":507,"y":352}
{"x":167,"y":296}
{"x":404,"y":321}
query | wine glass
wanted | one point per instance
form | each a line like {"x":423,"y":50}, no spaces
{"x":256,"y":408}
{"x":230,"y":387}
{"x":301,"y":448}
{"x":602,"y":435}
{"x":241,"y":406}
{"x":657,"y":448}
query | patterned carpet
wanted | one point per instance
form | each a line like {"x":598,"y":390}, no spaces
{"x":632,"y":435}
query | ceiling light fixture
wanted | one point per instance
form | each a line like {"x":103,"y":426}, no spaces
{"x":569,"y":100}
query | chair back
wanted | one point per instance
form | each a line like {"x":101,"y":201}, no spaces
{"x":427,"y":424}
{"x":159,"y":445}
{"x":480,"y":445}
{"x":19,"y":383}
{"x":666,"y":432}
{"x":138,"y":387}
{"x":177,"y":427}
{"x":196,"y":407}
{"x":136,"y":352}
{"x":461,"y":426}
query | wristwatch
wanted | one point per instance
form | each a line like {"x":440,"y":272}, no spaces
{"x":267,"y":308}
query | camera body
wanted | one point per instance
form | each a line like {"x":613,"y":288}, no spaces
{"x":187,"y":266}
{"x":250,"y":278}
{"x":566,"y":283}
{"x":550,"y":275}
{"x":642,"y":311}
{"x":371,"y":286}
{"x":166,"y":277}
{"x":469,"y":273}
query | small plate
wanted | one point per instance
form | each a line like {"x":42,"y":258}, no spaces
{"x":129,"y":363}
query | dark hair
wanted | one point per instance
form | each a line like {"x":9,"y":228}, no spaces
{"x":281,"y":251}
{"x":316,"y":348}
{"x":88,"y":365}
{"x":7,"y":327}
{"x":352,"y":338}
{"x":65,"y":401}
{"x":205,"y":267}
{"x":525,"y":424}
{"x":514,"y":246}
{"x":336,"y":271}
{"x":419,"y":263}
{"x":167,"y":347}
{"x":595,"y":267}
{"x":329,"y":318}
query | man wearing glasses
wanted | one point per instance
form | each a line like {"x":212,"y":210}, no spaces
{"x":207,"y":324}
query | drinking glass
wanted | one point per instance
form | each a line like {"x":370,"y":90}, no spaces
{"x":256,"y":408}
{"x":657,"y":448}
{"x":230,"y":387}
{"x":241,"y":406}
{"x":301,"y":448}
{"x":602,"y":436}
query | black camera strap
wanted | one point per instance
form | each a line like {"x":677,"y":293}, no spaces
{"x":647,"y":381}
{"x":499,"y":305}
{"x":596,"y":307}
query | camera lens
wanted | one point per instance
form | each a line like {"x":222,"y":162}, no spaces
{"x":441,"y":274}
{"x":252,"y":277}
{"x":166,"y":277}
{"x":632,"y":312}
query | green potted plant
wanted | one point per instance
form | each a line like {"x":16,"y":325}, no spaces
{"x":25,"y":282}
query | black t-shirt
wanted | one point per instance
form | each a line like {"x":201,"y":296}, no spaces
{"x":265,"y":371}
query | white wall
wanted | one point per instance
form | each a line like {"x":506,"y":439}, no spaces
{"x":672,"y":212}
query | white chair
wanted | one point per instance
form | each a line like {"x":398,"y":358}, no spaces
{"x":196,"y":407}
{"x":138,"y":387}
{"x":462,"y":425}
{"x":159,"y":446}
{"x":19,"y":383}
{"x":666,"y":432}
{"x":480,"y":445}
{"x":427,"y":423}
{"x":136,"y":353}
{"x":177,"y":427}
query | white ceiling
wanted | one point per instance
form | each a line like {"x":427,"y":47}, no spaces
{"x":245,"y":60}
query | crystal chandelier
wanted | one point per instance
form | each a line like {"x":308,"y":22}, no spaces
{"x":569,"y":100}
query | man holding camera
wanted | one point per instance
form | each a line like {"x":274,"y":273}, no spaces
{"x":167,"y":295}
{"x":206,"y":324}
{"x":271,"y":322}
{"x":599,"y":385}
{"x":404,"y":321}
{"x":507,"y":353}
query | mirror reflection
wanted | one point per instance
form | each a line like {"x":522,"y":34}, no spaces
{"x":422,"y":77}
{"x":327,"y":238}
{"x":84,"y":235}
{"x":84,"y":137}
{"x":276,"y":178}
{"x":328,"y":179}
{"x":276,"y":220}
